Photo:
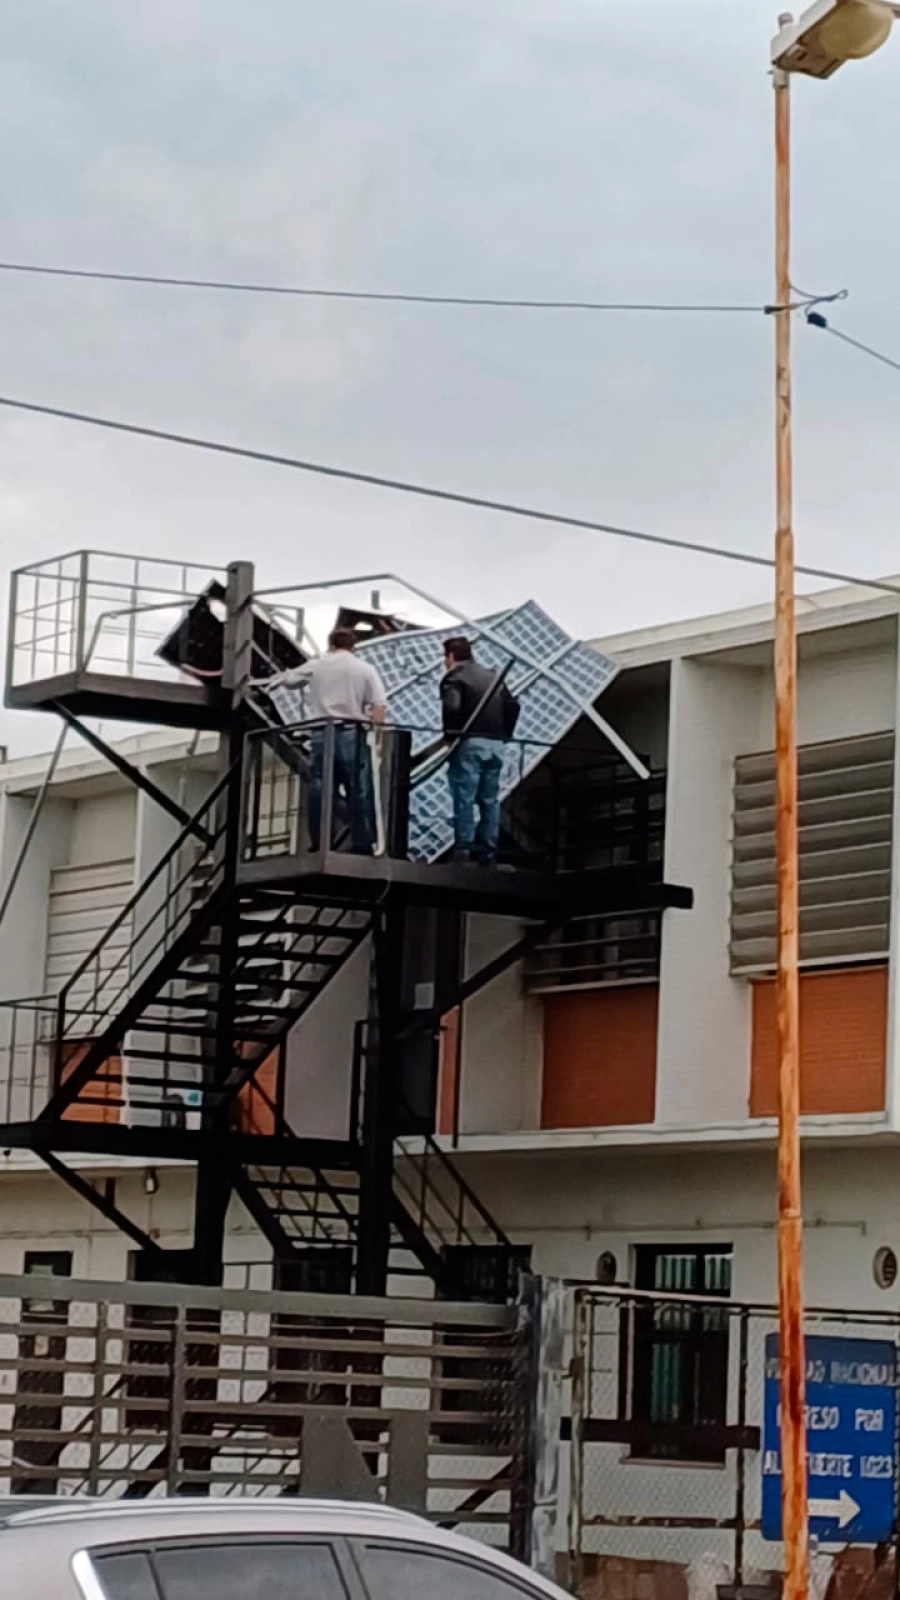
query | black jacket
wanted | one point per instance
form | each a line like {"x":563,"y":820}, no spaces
{"x":462,"y":690}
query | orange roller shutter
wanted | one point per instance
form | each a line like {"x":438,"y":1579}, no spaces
{"x":600,"y":1057}
{"x":843,"y":1041}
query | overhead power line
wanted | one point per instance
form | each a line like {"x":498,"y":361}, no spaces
{"x":816,"y":320}
{"x":429,"y":492}
{"x":302,"y":292}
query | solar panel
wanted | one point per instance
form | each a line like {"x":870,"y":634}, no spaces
{"x":553,"y":676}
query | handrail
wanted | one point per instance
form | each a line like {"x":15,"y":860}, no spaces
{"x":308,"y":725}
{"x":126,"y":911}
{"x":38,"y":567}
{"x":465,"y":1187}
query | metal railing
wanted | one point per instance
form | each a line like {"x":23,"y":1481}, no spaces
{"x":304,"y":1211}
{"x":27,"y":1054}
{"x":94,"y":610}
{"x":593,"y":952}
{"x":44,"y":1041}
{"x":385,"y":792}
{"x":440,"y":1202}
{"x":186,"y":876}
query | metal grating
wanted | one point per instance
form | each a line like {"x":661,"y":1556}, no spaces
{"x":568,"y":677}
{"x":845,"y":812}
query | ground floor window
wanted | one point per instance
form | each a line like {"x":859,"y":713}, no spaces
{"x":675,"y":1356}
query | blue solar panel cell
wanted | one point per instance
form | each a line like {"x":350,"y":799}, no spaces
{"x":554,"y":677}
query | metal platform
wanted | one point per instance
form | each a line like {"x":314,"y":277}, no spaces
{"x":338,"y":878}
{"x":124,"y":699}
{"x":132,"y":639}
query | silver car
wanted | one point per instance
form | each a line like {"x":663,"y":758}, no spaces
{"x":246,"y":1550}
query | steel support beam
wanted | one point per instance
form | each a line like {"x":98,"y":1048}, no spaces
{"x":131,"y":772}
{"x":107,"y":1208}
{"x":380,"y":1094}
{"x":214,"y":1177}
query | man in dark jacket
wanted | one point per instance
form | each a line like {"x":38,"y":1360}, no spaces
{"x":480,"y":714}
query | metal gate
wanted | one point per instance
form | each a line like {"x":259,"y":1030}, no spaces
{"x":152,"y":1389}
{"x":665,"y":1466}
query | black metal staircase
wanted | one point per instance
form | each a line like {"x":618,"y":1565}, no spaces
{"x":435,"y":1214}
{"x":154,"y":1004}
{"x":163,"y":1042}
{"x":136,"y":1036}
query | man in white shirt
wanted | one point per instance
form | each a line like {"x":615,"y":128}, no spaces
{"x":343,"y":689}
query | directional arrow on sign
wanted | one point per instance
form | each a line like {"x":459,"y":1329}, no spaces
{"x":842,"y":1510}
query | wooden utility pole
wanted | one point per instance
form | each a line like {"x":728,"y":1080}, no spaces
{"x":795,"y":1530}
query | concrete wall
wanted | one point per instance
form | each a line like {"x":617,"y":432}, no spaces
{"x":573,"y":1205}
{"x":39,"y":1213}
{"x":103,"y":828}
{"x":703,"y":1061}
{"x":23,"y":932}
{"x":320,"y":1053}
{"x":839,"y":695}
{"x":502,"y":1039}
{"x":570,"y":1205}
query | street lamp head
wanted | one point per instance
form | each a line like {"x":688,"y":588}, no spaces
{"x":830,"y":33}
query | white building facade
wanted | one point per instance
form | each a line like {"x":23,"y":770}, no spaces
{"x":612,"y":1096}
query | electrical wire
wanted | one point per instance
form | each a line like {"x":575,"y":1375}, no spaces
{"x":454,"y":497}
{"x":816,"y":320}
{"x":495,"y":301}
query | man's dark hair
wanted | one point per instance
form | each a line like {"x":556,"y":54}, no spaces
{"x":342,"y":639}
{"x":459,"y":649}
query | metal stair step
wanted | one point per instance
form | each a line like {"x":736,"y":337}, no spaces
{"x":190,"y":1030}
{"x":280,"y":1189}
{"x":164,"y":1057}
{"x":169,"y":1085}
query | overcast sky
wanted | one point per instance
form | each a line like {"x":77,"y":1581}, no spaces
{"x":549,"y":148}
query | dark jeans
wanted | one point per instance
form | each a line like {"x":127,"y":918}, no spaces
{"x":473,"y":772}
{"x":352,"y":779}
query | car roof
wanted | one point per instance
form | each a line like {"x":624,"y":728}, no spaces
{"x":21,"y":1511}
{"x":98,"y":1520}
{"x":14,"y":1504}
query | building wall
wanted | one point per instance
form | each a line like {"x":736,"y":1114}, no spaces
{"x":721,"y":710}
{"x":38,"y":1213}
{"x":23,"y":932}
{"x":598,"y":1059}
{"x":842,"y":693}
{"x":570,"y":1205}
{"x":319,"y":1057}
{"x":103,"y":828}
{"x":704,"y":1015}
{"x":502,"y":1038}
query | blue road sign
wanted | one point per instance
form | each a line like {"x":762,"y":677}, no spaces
{"x":850,"y":1440}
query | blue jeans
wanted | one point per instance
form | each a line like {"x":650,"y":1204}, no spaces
{"x":352,"y":778}
{"x":473,"y":772}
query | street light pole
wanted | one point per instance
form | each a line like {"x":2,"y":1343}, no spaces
{"x":826,"y":35}
{"x":790,"y":1214}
